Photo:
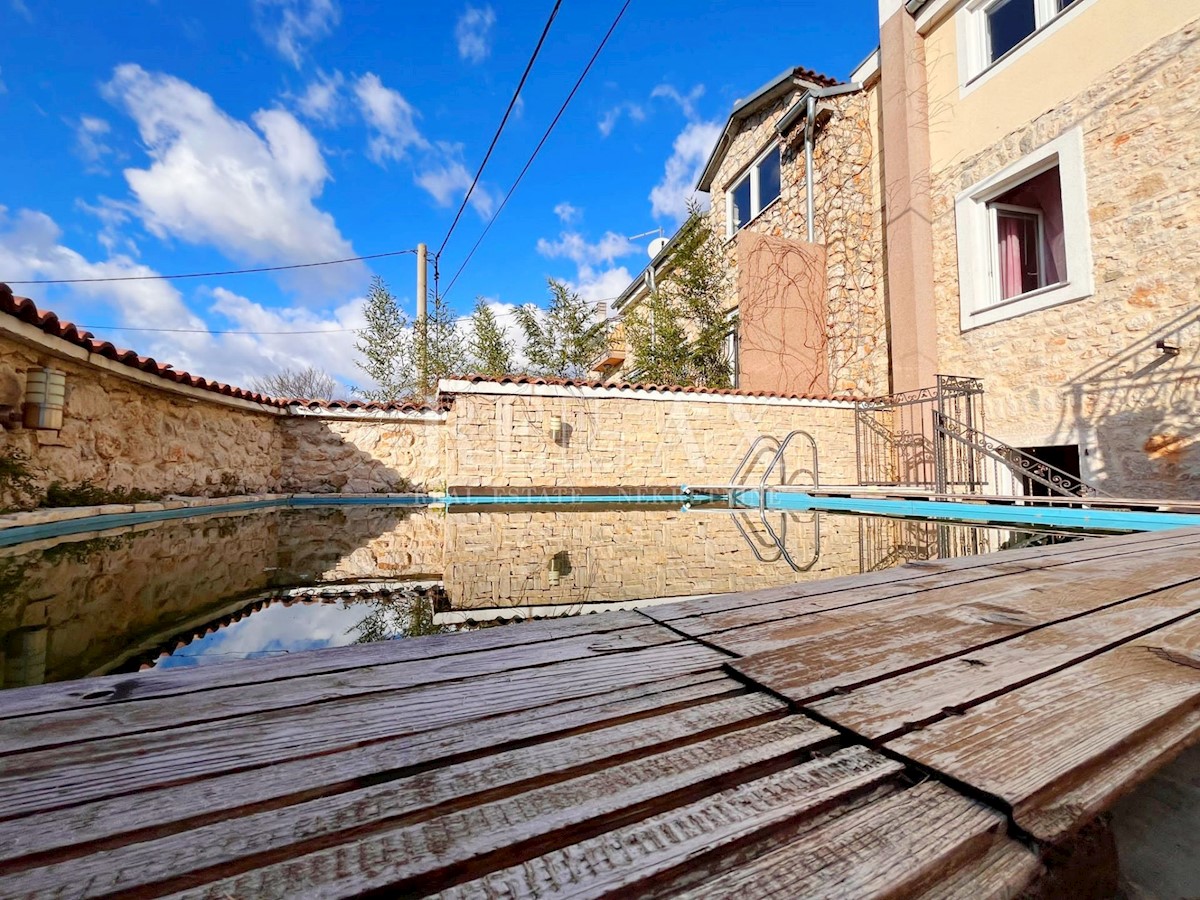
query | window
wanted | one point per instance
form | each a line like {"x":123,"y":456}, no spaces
{"x":754,"y":191}
{"x":1024,"y":239}
{"x":994,"y":30}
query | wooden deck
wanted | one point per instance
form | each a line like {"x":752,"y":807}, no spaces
{"x":943,"y":729}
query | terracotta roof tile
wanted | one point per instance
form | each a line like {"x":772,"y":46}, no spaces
{"x":26,"y":310}
{"x":631,"y":386}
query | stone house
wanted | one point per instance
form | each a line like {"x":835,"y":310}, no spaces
{"x":1005,"y":189}
{"x":1042,"y":206}
{"x":803,"y":270}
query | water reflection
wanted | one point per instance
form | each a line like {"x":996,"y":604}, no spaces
{"x":236,"y":585}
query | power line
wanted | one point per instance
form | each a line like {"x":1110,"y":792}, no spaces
{"x":496,"y":137}
{"x":538,"y":148}
{"x":208,"y":331}
{"x":327,"y":262}
{"x":499,"y":315}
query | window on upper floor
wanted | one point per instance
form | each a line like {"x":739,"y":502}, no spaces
{"x":754,"y":191}
{"x":994,"y":29}
{"x":1023,"y":236}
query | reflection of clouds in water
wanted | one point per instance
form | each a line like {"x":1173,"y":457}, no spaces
{"x":274,"y":630}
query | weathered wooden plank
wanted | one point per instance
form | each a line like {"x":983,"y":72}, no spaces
{"x":280,"y":833}
{"x":93,"y":770}
{"x":895,"y":847}
{"x":470,"y":842}
{"x":159,"y":811}
{"x":693,"y":839}
{"x":1004,"y":872}
{"x":884,"y":709}
{"x":51,"y":729}
{"x":1052,"y":748}
{"x":808,"y":657}
{"x":1033,"y":557}
{"x":98,"y":692}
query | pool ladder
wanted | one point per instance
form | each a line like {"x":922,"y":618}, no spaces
{"x":778,"y":538}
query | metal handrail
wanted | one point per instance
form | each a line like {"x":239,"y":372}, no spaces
{"x":753,"y":544}
{"x":733,"y":480}
{"x":1018,"y":461}
{"x":791,"y":435}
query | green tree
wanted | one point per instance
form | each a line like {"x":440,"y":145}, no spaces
{"x":678,"y":334}
{"x":657,"y":335}
{"x":385,"y":344}
{"x":403,"y":358}
{"x":566,"y":339}
{"x":491,"y":353}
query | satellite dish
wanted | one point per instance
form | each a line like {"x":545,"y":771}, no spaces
{"x":656,"y":246}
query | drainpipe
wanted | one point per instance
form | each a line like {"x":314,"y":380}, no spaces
{"x":810,"y":129}
{"x":807,"y":106}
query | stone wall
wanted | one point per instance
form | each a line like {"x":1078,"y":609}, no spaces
{"x":1088,"y":372}
{"x":122,"y":433}
{"x":847,"y":222}
{"x":381,"y":454}
{"x":620,"y":437}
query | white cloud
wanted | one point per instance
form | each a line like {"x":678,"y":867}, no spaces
{"x":91,"y":143}
{"x":322,"y":100}
{"x":686,"y":102}
{"x":213,"y":179}
{"x":290,"y":26}
{"x":572,"y":245}
{"x":670,"y":197}
{"x":567,"y":213}
{"x":445,"y":178}
{"x":391,"y":118}
{"x":21,"y":10}
{"x":31,"y":247}
{"x":473,"y":32}
{"x":3,"y":86}
{"x":113,"y":215}
{"x":609,"y":120}
{"x":603,"y":284}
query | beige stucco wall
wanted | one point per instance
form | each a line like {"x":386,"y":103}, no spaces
{"x":621,"y":439}
{"x":848,"y":223}
{"x":1088,"y":372}
{"x":1066,"y":63}
{"x":362,"y":456}
{"x":122,"y":433}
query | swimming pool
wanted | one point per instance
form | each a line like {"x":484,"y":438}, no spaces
{"x":252,"y":580}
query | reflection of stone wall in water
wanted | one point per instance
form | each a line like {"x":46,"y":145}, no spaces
{"x":509,"y":559}
{"x":78,"y":607}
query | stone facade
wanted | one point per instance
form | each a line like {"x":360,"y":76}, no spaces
{"x":380,"y":454}
{"x":120,"y":433}
{"x":621,"y":437}
{"x":1088,"y":372}
{"x":847,"y":223}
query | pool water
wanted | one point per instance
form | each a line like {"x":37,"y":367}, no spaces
{"x":225,"y":586}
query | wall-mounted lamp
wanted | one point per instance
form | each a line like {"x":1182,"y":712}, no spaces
{"x":1168,"y":349}
{"x":45,"y":395}
{"x":560,"y":565}
{"x":559,"y":431}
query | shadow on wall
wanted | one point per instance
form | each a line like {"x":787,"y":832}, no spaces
{"x":1139,"y":412}
{"x":362,"y":456}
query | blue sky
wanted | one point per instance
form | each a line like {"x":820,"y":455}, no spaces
{"x":154,"y":136}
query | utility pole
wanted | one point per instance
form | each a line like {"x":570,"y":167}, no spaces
{"x":422,"y":335}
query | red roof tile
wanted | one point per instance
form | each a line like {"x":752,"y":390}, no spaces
{"x":629,"y":386}
{"x":26,"y":310}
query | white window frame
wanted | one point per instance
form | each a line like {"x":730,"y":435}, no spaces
{"x":994,"y":210}
{"x":974,"y":58}
{"x":751,"y":172}
{"x":978,"y":278}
